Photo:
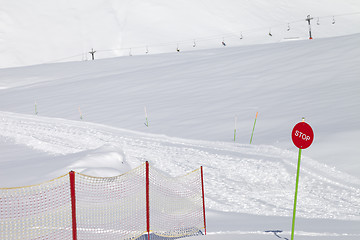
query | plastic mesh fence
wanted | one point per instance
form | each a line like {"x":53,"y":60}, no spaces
{"x":176,"y":207}
{"x":106,"y":208}
{"x":36,"y":212}
{"x":111,"y":208}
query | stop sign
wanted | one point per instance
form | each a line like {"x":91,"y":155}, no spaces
{"x":302,"y":135}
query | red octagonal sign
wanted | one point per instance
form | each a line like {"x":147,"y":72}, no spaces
{"x":302,"y":135}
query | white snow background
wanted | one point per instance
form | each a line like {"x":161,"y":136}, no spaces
{"x":192,"y":98}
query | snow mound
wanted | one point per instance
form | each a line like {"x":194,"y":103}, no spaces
{"x":105,"y":161}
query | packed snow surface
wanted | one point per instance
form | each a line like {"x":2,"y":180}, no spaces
{"x":89,"y":116}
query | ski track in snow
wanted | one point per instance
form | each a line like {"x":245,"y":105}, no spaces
{"x":240,"y":178}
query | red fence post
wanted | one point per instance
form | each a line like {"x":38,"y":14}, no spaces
{"x":203,"y":196}
{"x":73,"y":203}
{"x":147,"y":200}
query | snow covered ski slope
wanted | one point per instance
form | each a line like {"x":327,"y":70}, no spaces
{"x":192,"y":99}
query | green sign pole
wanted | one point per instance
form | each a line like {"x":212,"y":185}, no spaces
{"x":302,"y":137}
{"x":296,"y":191}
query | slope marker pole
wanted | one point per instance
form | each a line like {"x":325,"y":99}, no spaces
{"x":81,"y":117}
{"x":36,"y":112}
{"x":146,"y":118}
{"x":253,"y":127}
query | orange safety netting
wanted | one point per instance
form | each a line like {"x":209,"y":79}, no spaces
{"x":129,"y":206}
